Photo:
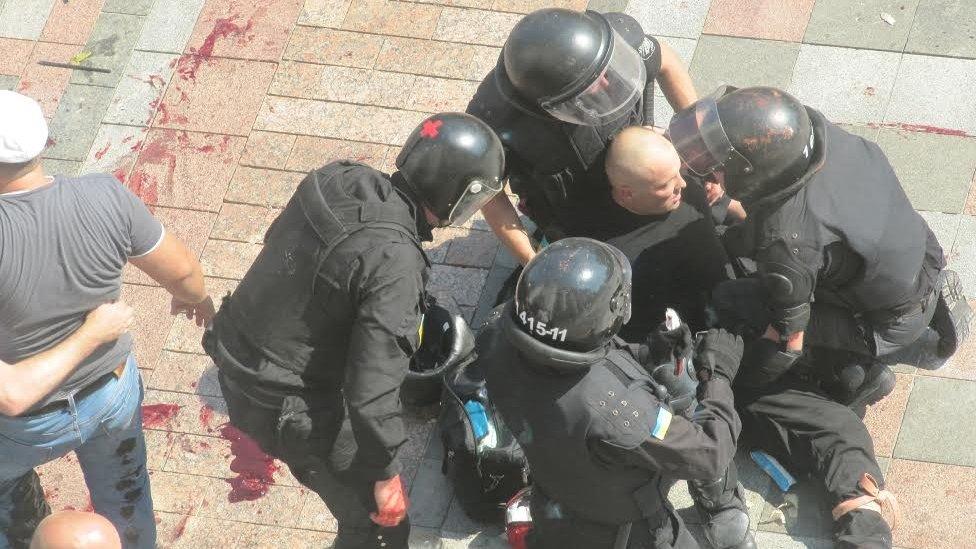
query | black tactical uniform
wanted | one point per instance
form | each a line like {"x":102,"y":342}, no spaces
{"x":603,"y":446}
{"x":315,"y":341}
{"x":556,"y":167}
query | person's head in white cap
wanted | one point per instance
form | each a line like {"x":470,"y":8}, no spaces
{"x":23,"y":136}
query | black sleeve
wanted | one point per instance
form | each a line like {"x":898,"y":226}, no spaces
{"x":697,"y":448}
{"x":383,"y":337}
{"x":701,"y":264}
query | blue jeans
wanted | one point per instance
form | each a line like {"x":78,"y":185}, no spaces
{"x":105,"y":430}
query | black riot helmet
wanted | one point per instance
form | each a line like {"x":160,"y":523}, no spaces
{"x":574,"y":66}
{"x":761,"y":139}
{"x":574,"y":295}
{"x":454,"y":164}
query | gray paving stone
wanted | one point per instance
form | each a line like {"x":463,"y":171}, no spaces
{"x":938,"y":417}
{"x":917,"y":156}
{"x":867,"y":132}
{"x":24,"y":18}
{"x":934,"y":91}
{"x":944,"y":27}
{"x":463,"y":283}
{"x":424,"y":538}
{"x":497,"y":276}
{"x":962,"y":258}
{"x":169,"y":25}
{"x":769,"y":540}
{"x":112,"y":145}
{"x":430,"y":495}
{"x":8,"y":82}
{"x":859,"y":24}
{"x":945,"y":226}
{"x":474,"y":249}
{"x":680,"y":18}
{"x":79,"y":113}
{"x":53,"y":166}
{"x":805,"y":507}
{"x":111,"y":44}
{"x":848,"y":86}
{"x":663,"y":111}
{"x":742,"y":62}
{"x":756,"y":483}
{"x":144,"y":81}
{"x":604,"y":6}
{"x":135,"y":7}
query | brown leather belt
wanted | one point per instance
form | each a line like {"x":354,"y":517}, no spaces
{"x":58,"y":405}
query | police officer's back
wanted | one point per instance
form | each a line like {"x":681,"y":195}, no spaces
{"x":600,"y":441}
{"x":314,"y":343}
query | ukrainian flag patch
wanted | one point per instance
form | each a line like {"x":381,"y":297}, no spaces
{"x":661,"y":424}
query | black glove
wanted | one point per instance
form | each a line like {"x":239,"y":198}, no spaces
{"x":664,"y":345}
{"x":718,"y":354}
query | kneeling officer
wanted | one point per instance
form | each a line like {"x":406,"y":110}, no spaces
{"x":313,"y":345}
{"x":603,"y":446}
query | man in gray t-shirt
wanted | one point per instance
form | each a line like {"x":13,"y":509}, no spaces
{"x":63,"y":245}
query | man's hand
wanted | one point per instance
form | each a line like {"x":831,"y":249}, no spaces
{"x":719,"y":354}
{"x":713,"y":191}
{"x":108,"y":322}
{"x":391,"y":502}
{"x":202,"y":312}
{"x":664,"y":345}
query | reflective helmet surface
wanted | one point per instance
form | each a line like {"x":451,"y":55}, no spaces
{"x":454,"y":164}
{"x":574,"y":295}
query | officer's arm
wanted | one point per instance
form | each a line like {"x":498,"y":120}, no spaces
{"x":675,"y":82}
{"x":699,"y":448}
{"x":788,"y":284}
{"x":504,"y":221}
{"x":383,"y":337}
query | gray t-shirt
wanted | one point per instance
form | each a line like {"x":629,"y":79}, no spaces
{"x":62,"y":249}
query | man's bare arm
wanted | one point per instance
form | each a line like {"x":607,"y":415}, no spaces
{"x":25,"y":383}
{"x":175,"y":268}
{"x":504,"y":221}
{"x":675,"y":82}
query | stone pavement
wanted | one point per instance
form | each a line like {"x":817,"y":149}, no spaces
{"x":213,"y":109}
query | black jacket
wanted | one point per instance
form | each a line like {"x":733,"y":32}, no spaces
{"x":598,"y":440}
{"x":555,"y":167}
{"x":333,"y":303}
{"x":845,"y":233}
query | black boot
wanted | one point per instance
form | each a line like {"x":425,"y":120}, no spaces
{"x":722,"y":505}
{"x":952,"y":315}
{"x":859,"y":385}
{"x":863,"y":529}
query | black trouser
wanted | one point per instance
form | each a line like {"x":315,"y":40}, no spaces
{"x":29,"y":510}
{"x":798,"y":424}
{"x":311,"y":435}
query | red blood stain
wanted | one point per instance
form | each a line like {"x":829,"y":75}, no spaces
{"x":101,"y":154}
{"x":206,"y":149}
{"x":119,"y":174}
{"x":165,"y":117}
{"x":869,"y":91}
{"x":188,"y":64}
{"x":255,"y":469}
{"x":145,"y":185}
{"x":127,"y":139}
{"x":430,"y":128}
{"x":158,"y":415}
{"x":156,"y":81}
{"x":206,"y":415}
{"x":50,"y":141}
{"x":919,"y":128}
{"x":90,"y":508}
{"x":180,"y":528}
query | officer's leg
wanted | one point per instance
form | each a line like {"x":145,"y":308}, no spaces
{"x":812,"y":434}
{"x":722,"y":504}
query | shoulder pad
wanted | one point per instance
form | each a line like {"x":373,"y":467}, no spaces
{"x":624,"y":417}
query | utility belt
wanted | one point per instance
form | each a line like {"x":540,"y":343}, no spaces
{"x":63,"y":404}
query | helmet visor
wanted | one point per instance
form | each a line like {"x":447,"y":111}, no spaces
{"x":700,"y":139}
{"x":614,"y":92}
{"x":477,"y":194}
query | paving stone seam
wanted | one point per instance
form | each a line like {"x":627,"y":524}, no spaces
{"x":471,"y":8}
{"x":393,"y":71}
{"x":388,"y":35}
{"x":241,"y":521}
{"x":343,"y":103}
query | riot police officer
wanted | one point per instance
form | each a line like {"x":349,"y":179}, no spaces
{"x":314,"y":343}
{"x":603,"y":443}
{"x":840,"y":251}
{"x":565,"y":84}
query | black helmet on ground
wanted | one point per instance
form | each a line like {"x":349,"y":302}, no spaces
{"x":454,"y":164}
{"x":574,"y":66}
{"x":445,"y":342}
{"x":574,"y":295}
{"x":760,"y":138}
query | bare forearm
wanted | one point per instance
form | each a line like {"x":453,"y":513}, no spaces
{"x":675,"y":82}
{"x":504,"y":221}
{"x":189,"y":288}
{"x":25,"y":383}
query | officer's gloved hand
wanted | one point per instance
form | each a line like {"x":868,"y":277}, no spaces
{"x":718,"y":354}
{"x":665,"y":345}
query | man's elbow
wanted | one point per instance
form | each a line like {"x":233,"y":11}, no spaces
{"x":11,"y":405}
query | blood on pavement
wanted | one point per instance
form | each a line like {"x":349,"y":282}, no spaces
{"x":155,"y":416}
{"x":187,"y":65}
{"x":255,"y":469}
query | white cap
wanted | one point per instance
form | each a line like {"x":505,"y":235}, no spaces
{"x":23,"y":130}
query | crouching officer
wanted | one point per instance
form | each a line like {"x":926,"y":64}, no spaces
{"x":847,"y":269}
{"x":313,"y":345}
{"x":603,"y":447}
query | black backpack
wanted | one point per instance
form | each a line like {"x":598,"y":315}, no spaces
{"x":484,"y":477}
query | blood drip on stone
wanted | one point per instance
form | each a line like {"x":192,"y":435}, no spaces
{"x":188,"y":64}
{"x":919,"y":128}
{"x":206,"y":415}
{"x":101,"y":154}
{"x":180,"y":528}
{"x":146,"y":185}
{"x":155,"y":416}
{"x":255,"y":469}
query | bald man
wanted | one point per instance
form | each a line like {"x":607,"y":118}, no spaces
{"x":75,"y":530}
{"x":676,"y":256}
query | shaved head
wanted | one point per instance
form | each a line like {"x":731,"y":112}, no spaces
{"x":644,"y":171}
{"x":75,"y":530}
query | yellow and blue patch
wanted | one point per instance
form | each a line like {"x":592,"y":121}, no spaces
{"x":661,"y":424}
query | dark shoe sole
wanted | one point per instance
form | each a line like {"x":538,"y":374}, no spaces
{"x":879,"y":383}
